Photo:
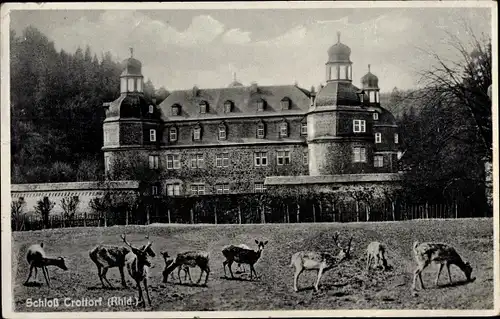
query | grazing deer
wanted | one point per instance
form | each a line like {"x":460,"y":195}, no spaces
{"x":437,"y":253}
{"x":320,"y":261}
{"x":137,"y":264}
{"x":189,"y":259}
{"x":375,"y":253}
{"x":169,"y":260}
{"x":241,"y":268}
{"x":242,"y":256}
{"x":111,"y":256}
{"x":38,"y":259}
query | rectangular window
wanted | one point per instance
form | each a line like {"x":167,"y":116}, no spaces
{"x":153,"y":161}
{"x":260,"y":131}
{"x":359,"y":154}
{"x":151,"y":109}
{"x":173,"y":134}
{"x":378,"y":161}
{"x":259,"y":187}
{"x":378,"y":138}
{"x":222,"y":133}
{"x":359,"y":126}
{"x":154,"y":190}
{"x":198,"y":189}
{"x":343,"y":72}
{"x":375,"y":116}
{"x":283,"y":130}
{"x":303,"y":129}
{"x":285,"y":104}
{"x":222,"y":188}
{"x":175,"y":110}
{"x":197,"y":160}
{"x":130,"y":85}
{"x":372,"y":96}
{"x":107,"y":163}
{"x":396,"y":138}
{"x":152,"y":135}
{"x":203,"y":108}
{"x":283,"y":157}
{"x":305,"y":158}
{"x":173,"y":189}
{"x":260,"y":158}
{"x":197,"y":134}
{"x":139,"y":86}
{"x":173,"y":161}
{"x":222,"y":160}
{"x":260,"y":106}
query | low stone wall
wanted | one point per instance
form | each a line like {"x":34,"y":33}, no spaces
{"x":86,"y":191}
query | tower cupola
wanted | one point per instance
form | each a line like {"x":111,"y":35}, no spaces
{"x":339,"y":65}
{"x":131,"y":79}
{"x":369,"y":83}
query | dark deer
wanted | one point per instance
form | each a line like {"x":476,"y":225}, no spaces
{"x":111,"y":256}
{"x":437,"y":253}
{"x":189,"y":259}
{"x":169,"y":261}
{"x":320,"y":261}
{"x":38,"y":259}
{"x":137,"y":264}
{"x":242,"y":256}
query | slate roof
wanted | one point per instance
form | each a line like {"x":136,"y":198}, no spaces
{"x":384,"y":117}
{"x":337,"y":93}
{"x":130,"y":105}
{"x":243,"y":98}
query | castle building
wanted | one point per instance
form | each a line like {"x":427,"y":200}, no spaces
{"x":238,"y":139}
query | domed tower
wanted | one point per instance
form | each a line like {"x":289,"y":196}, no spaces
{"x":369,"y":83}
{"x":131,"y":120}
{"x":340,"y":139}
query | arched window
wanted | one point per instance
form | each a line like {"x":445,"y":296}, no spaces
{"x":228,"y":106}
{"x":261,"y":132}
{"x":203,"y":107}
{"x":284,"y":129}
{"x":261,"y":105}
{"x":130,"y":85}
{"x":176,"y":109}
{"x":151,"y":108}
{"x":222,"y":131}
{"x":286,"y":103}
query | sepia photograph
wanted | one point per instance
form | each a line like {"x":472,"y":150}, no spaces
{"x":249,"y":159}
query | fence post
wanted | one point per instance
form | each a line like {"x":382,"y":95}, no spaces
{"x":298,"y":213}
{"x":456,"y":209}
{"x":191,"y":216}
{"x":239,"y":214}
{"x":126,"y":217}
{"x":106,"y":218}
{"x":262,"y":214}
{"x":320,"y":211}
{"x":215,"y":215}
{"x":168,"y":215}
{"x":314,"y":213}
{"x":85,"y":219}
{"x":357,"y":211}
{"x":287,"y":214}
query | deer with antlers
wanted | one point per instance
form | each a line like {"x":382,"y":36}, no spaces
{"x":38,"y":259}
{"x":186,"y":260}
{"x":137,"y":264}
{"x":320,"y":261}
{"x":437,"y":253}
{"x":112,"y":256}
{"x":375,"y":254}
{"x":242,"y":256}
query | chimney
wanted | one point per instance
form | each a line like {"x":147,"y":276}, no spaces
{"x":195,"y":90}
{"x":254,"y":87}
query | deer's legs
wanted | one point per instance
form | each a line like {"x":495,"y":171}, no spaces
{"x":179,"y":274}
{"x":252,"y":270}
{"x":147,"y":291}
{"x":186,"y":271}
{"x":100,"y":275}
{"x":438,"y":273}
{"x":103,"y":274}
{"x":207,"y":270}
{"x":296,"y":278}
{"x":122,"y":275}
{"x":449,"y":274}
{"x":29,"y":276}
{"x":418,"y":273}
{"x":46,"y":275}
{"x":368,"y":261}
{"x":320,"y":273}
{"x":229,"y":263}
{"x":36,"y":273}
{"x":141,"y":297}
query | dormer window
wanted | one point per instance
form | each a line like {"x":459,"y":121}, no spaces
{"x":378,"y":137}
{"x":285,"y":103}
{"x":173,"y":134}
{"x":151,"y":109}
{"x":284,"y":129}
{"x":176,"y":109}
{"x":222,"y":131}
{"x":303,"y":129}
{"x":203,"y":107}
{"x":260,"y":130}
{"x":375,"y":116}
{"x":359,"y":126}
{"x":197,"y":133}
{"x":261,"y":105}
{"x":396,"y":138}
{"x":228,"y":106}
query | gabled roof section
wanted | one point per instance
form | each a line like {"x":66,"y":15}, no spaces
{"x":244,"y":102}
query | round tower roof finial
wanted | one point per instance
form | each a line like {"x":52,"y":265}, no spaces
{"x":369,"y":68}
{"x":131,"y":52}
{"x":338,"y":36}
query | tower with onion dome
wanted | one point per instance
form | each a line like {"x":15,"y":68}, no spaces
{"x":131,"y":120}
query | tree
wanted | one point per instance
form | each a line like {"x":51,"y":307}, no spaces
{"x":43,"y":207}
{"x":16,"y":213}
{"x":69,"y":206}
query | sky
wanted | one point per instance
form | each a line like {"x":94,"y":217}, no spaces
{"x":182,"y":48}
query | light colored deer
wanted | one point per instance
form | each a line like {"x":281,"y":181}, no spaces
{"x":242,"y":256}
{"x":111,"y":256}
{"x":38,"y":259}
{"x":320,"y":261}
{"x":375,"y":253}
{"x":169,"y":260}
{"x":137,"y":264}
{"x":186,"y":260}
{"x":437,"y":253}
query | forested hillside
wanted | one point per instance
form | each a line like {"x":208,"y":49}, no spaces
{"x":56,"y":109}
